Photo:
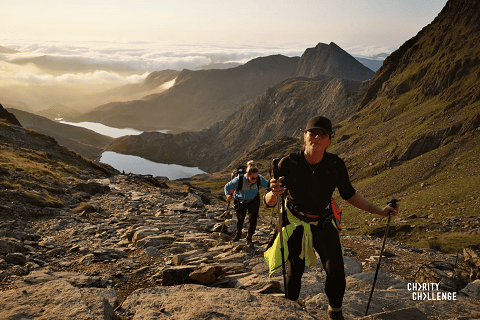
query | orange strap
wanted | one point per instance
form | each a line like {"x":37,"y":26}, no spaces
{"x":336,"y":212}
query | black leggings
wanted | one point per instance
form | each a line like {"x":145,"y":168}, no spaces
{"x":327,"y":243}
{"x":241,"y":209}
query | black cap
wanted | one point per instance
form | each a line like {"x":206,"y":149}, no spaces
{"x":321,"y":123}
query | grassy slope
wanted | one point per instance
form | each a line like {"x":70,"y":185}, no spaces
{"x":439,"y":184}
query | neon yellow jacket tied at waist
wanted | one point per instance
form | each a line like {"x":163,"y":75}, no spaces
{"x":273,"y":255}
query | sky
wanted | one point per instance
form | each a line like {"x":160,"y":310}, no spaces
{"x":152,"y":35}
{"x":382,"y":23}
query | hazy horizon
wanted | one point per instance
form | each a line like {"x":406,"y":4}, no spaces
{"x":274,"y":22}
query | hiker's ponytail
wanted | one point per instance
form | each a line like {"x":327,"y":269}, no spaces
{"x":251,"y":167}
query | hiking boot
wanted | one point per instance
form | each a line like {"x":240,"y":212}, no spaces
{"x":249,"y":241}
{"x":335,"y":315}
{"x":237,"y":237}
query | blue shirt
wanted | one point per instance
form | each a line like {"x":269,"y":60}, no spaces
{"x":249,"y":190}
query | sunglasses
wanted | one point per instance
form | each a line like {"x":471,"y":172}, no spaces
{"x":318,"y":132}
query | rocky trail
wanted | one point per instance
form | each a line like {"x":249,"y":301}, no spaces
{"x":131,"y":247}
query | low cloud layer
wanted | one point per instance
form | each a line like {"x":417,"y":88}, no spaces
{"x":146,"y":56}
{"x":80,"y":68}
{"x":368,"y":51}
{"x":26,"y":76}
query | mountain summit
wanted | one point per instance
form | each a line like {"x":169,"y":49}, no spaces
{"x":331,"y":60}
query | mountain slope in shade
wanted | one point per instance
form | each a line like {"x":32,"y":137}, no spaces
{"x":278,"y":113}
{"x":83,"y":141}
{"x":201,"y":98}
{"x":58,"y":111}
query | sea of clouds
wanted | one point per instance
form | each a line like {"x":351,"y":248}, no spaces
{"x":123,"y":62}
{"x":73,"y":71}
{"x":131,"y":62}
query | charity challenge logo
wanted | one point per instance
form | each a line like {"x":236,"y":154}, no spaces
{"x":429,"y":291}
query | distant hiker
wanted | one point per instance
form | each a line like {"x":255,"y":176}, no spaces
{"x":310,"y":177}
{"x":246,"y":198}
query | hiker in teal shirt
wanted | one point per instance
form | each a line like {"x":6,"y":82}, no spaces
{"x":246,"y":198}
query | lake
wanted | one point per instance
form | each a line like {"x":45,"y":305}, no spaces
{"x":139,"y":165}
{"x":135,"y":164}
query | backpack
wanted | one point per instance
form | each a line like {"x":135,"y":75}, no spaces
{"x":240,"y":171}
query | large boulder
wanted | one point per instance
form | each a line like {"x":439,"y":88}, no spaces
{"x":192,"y":301}
{"x":57,"y":299}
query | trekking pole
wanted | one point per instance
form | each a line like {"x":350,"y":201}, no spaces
{"x":282,"y":249}
{"x":280,"y":226}
{"x":392,"y":203}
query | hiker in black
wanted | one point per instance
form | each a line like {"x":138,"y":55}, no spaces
{"x":310,"y":178}
{"x":246,"y":198}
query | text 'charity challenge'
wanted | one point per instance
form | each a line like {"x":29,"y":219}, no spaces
{"x":429,"y":291}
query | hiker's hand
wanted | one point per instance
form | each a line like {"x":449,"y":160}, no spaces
{"x":390,"y":210}
{"x":275,"y":189}
{"x":276,"y":186}
{"x":229,"y":197}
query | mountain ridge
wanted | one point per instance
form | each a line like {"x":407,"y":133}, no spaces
{"x":215,"y":147}
{"x":201,"y":98}
{"x":185,"y":102}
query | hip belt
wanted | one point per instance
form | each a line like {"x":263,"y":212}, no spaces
{"x":322,"y":216}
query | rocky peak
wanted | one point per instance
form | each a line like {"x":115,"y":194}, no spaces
{"x":331,"y":60}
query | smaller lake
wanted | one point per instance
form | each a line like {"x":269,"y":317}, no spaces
{"x":138,"y":165}
{"x":106,"y":130}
